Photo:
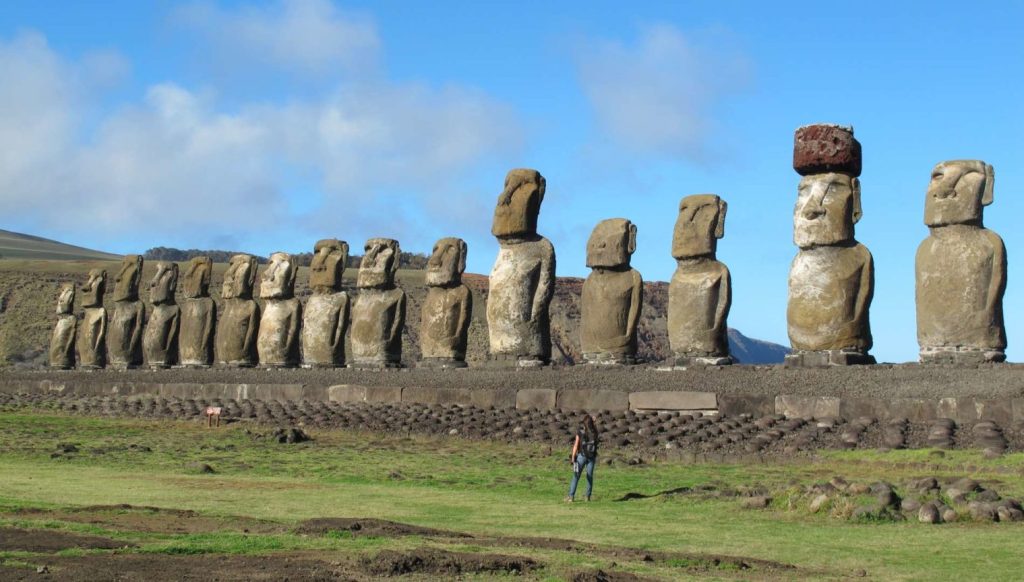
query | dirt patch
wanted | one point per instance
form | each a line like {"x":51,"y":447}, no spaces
{"x":443,"y":563}
{"x":370,"y":528}
{"x":50,"y":541}
{"x":602,"y":576}
{"x":131,"y":518}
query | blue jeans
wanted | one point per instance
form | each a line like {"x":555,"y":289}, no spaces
{"x":582,"y":463}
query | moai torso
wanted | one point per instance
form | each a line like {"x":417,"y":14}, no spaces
{"x":522,"y":281}
{"x":198,"y":316}
{"x":124,"y":334}
{"x":700,"y":293}
{"x":160,"y":340}
{"x":612,"y":295}
{"x":448,"y":307}
{"x":62,"y":344}
{"x":239,"y":323}
{"x":961,"y":270}
{"x":326,"y":315}
{"x":278,"y":338}
{"x":378,"y":315}
{"x":831,"y":280}
{"x":92,"y":331}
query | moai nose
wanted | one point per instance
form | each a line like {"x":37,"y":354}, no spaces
{"x":813,"y":211}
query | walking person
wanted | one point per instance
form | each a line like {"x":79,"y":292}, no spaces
{"x":584,"y":456}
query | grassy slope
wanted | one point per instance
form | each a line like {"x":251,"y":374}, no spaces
{"x":492,"y":489}
{"x":14,"y":245}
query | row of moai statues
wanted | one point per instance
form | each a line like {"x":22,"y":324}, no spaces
{"x":961,"y":276}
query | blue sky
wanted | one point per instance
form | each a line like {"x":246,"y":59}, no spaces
{"x":267,"y":126}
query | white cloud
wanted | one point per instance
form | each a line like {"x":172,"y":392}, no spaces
{"x":304,"y":36}
{"x":659,"y":94}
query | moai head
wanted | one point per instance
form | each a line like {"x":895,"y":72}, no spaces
{"x":611,"y":244}
{"x":92,"y":291}
{"x":447,"y":263}
{"x":519,"y":204}
{"x":329,"y":258}
{"x":828,"y":203}
{"x":240,"y":277}
{"x":958,"y":191}
{"x":197,"y":277}
{"x":126,"y":284}
{"x":278,"y":280}
{"x":701,"y":222}
{"x":164,"y":284}
{"x":66,"y":299}
{"x":379,"y":264}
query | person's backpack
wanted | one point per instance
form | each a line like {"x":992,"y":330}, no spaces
{"x":588,"y":446}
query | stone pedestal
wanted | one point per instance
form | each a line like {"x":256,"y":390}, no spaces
{"x":825,"y":358}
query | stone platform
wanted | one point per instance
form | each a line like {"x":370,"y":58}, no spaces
{"x":989,"y":392}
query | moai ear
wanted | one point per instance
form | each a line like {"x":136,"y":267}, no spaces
{"x":397,"y":258}
{"x":723,"y":207}
{"x":990,"y":179}
{"x":463,"y":249}
{"x":855,"y":190}
{"x":344,"y":255}
{"x":253,"y":267}
{"x":631,"y":245}
{"x":542,"y":187}
{"x":294,"y":272}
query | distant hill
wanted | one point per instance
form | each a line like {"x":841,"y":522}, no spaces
{"x":14,"y":245}
{"x":754,"y":351}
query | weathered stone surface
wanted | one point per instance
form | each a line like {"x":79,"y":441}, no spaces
{"x":612,"y":295}
{"x":239,"y":324}
{"x":825,"y":147}
{"x":198,"y":315}
{"x":370,"y":394}
{"x":326,"y":315}
{"x":278,"y":339}
{"x":542,"y":398}
{"x":92,"y":332}
{"x":522,"y":281}
{"x":671,"y":400}
{"x":960,"y":270}
{"x":592,"y":400}
{"x":160,"y":340}
{"x":378,"y":314}
{"x":448,"y":307}
{"x":807,"y":406}
{"x":831,"y":280}
{"x":62,"y":343}
{"x":124,"y":332}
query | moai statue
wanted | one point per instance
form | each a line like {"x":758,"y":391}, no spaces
{"x":62,"y":344}
{"x":238,"y":325}
{"x":378,"y":314}
{"x":448,"y":308}
{"x":278,"y":338}
{"x":198,"y":315}
{"x":832,"y":278}
{"x":124,"y":337}
{"x":613,"y":295}
{"x":700,"y":294}
{"x":961,"y":270}
{"x":160,"y":340}
{"x":325,"y":317}
{"x":523,"y":278}
{"x":92,"y":333}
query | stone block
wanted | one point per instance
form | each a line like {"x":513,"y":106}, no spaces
{"x":543,"y":398}
{"x":757,"y":405}
{"x":807,"y":406}
{"x":913,"y":409}
{"x":357,"y":393}
{"x":592,"y":400}
{"x":999,"y":411}
{"x":671,"y":400}
{"x":959,"y":409}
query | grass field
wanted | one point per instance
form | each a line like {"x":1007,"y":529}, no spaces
{"x":261,"y":491}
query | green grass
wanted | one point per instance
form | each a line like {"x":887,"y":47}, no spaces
{"x":486,"y":489}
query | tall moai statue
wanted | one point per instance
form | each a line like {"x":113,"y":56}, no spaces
{"x":124,"y":337}
{"x":278,"y":338}
{"x":961,"y":270}
{"x":613,"y":295}
{"x":522,"y":281}
{"x":325,"y":317}
{"x":62,"y":343}
{"x":198,"y":315}
{"x":239,"y":324}
{"x":92,"y":332}
{"x":378,"y":315}
{"x":700,"y":293}
{"x":831,"y":280}
{"x":448,"y":308}
{"x":160,"y":340}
